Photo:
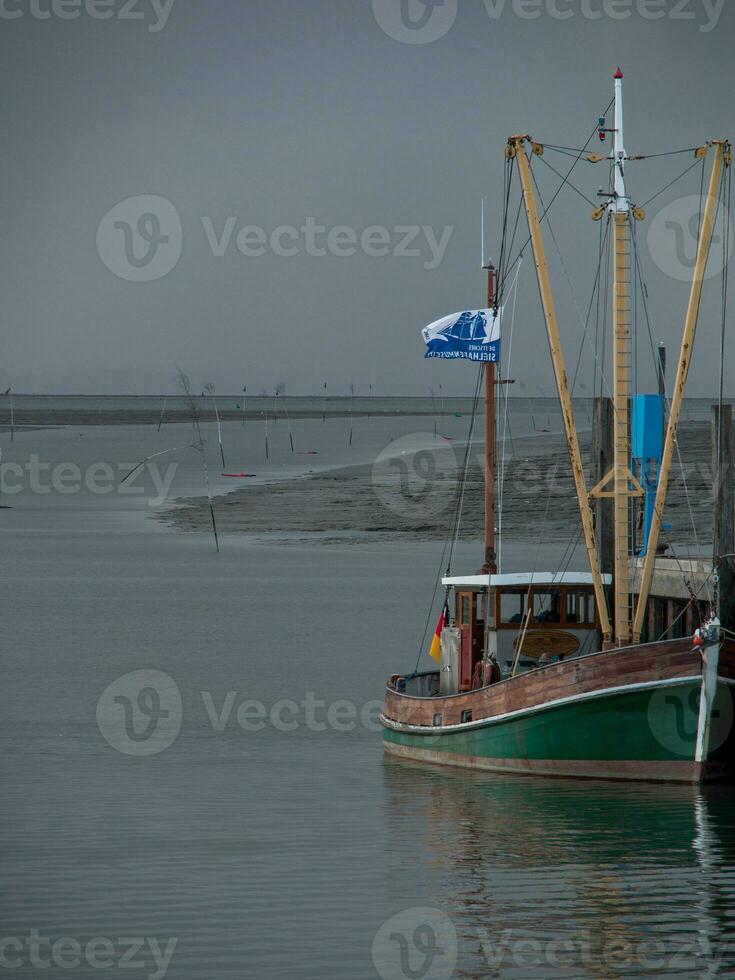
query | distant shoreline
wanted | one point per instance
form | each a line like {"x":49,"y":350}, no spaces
{"x":39,"y":411}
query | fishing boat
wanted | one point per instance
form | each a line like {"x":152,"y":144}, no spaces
{"x":624,"y":669}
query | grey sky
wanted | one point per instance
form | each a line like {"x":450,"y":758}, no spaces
{"x":279,"y":111}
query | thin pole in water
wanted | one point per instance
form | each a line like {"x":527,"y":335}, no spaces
{"x":210,"y":390}
{"x":244,"y":393}
{"x":352,"y":411}
{"x":201,"y":448}
{"x":324,"y":403}
{"x":163,"y":412}
{"x":288,"y":417}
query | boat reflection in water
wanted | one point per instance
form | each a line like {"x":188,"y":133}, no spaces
{"x":501,"y":857}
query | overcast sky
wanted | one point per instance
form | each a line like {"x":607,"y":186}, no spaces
{"x":222,"y":122}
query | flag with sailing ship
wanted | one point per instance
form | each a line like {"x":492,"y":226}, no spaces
{"x":473,"y":336}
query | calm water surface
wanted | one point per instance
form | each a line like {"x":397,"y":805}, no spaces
{"x":281,"y":852}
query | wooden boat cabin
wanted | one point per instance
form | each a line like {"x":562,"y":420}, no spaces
{"x":521,"y":621}
{"x":505,"y":625}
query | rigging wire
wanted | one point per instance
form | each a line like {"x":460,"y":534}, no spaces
{"x":667,"y":394}
{"x":501,"y":480}
{"x":726,"y":199}
{"x":576,"y":189}
{"x":453,"y":529}
{"x":558,"y":190}
{"x":672,"y":182}
{"x":584,"y":323}
{"x":465,"y":470}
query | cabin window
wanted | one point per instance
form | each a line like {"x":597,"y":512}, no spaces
{"x":512,"y":607}
{"x":580,"y":608}
{"x":480,"y":602}
{"x":547,"y":607}
{"x":438,"y":721}
{"x":466,"y":715}
{"x":465,"y":614}
{"x":490,"y":610}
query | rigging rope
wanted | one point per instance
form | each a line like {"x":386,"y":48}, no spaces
{"x":558,"y":191}
{"x":453,"y":529}
{"x":501,"y":480}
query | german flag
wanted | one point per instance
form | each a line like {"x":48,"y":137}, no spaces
{"x":436,"y":644}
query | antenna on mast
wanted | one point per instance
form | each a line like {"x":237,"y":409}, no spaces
{"x":622,"y":204}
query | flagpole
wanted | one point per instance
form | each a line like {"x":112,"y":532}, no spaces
{"x":491,"y":560}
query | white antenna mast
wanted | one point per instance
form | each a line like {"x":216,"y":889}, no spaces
{"x":622,"y":204}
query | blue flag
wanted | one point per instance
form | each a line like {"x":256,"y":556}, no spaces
{"x":472,"y":336}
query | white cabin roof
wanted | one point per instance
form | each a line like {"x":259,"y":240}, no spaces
{"x":524,"y":578}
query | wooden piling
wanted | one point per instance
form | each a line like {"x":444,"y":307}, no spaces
{"x":724,"y":511}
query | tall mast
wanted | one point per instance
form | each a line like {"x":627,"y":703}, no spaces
{"x":491,"y":561}
{"x":517,"y":149}
{"x":621,"y":374}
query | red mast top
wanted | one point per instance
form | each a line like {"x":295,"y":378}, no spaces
{"x":619,"y":74}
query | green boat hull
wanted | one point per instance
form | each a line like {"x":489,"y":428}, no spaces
{"x":641,"y":734}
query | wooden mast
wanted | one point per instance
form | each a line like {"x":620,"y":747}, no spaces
{"x":621,"y":376}
{"x":491,"y":560}
{"x":516,"y":148}
{"x":723,"y":157}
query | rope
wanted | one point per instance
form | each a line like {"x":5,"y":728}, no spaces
{"x":465,"y":469}
{"x":644,"y":295}
{"x":674,"y":181}
{"x":576,"y":189}
{"x":452,"y":532}
{"x":558,"y":191}
{"x":514,"y":290}
{"x":584,"y":323}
